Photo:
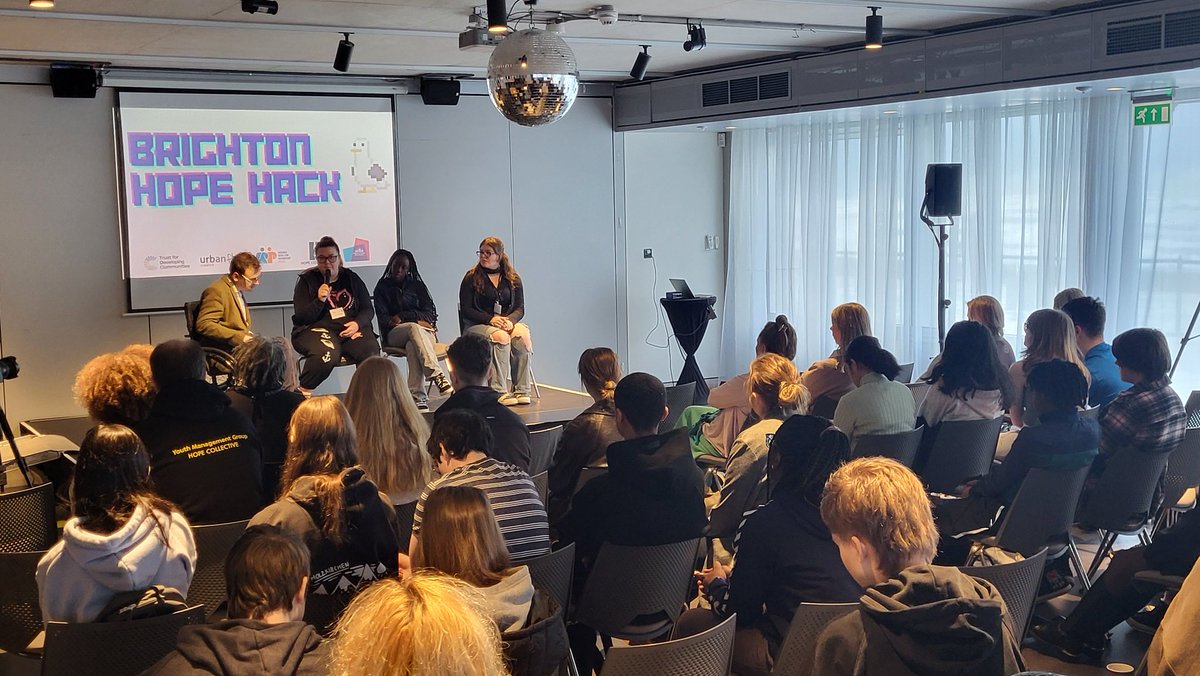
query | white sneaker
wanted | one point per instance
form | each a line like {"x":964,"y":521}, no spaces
{"x":509,"y":399}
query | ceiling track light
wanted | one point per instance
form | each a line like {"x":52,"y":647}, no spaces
{"x":345,"y":49}
{"x":260,"y":6}
{"x":874,"y":30}
{"x":638,"y":72}
{"x":497,"y":16}
{"x":41,"y":4}
{"x":697,"y":40}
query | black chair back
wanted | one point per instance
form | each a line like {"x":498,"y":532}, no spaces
{"x":27,"y":520}
{"x":542,"y":443}
{"x":405,"y":514}
{"x":962,"y":449}
{"x":1018,"y":585}
{"x":823,"y":406}
{"x":1042,"y":512}
{"x":553,"y":573}
{"x":709,"y":653}
{"x":679,"y":397}
{"x":20,"y":613}
{"x":1183,"y":469}
{"x":213,"y":543}
{"x":905,"y":374}
{"x":918,"y":390}
{"x":541,"y":482}
{"x":113,"y":648}
{"x":1120,"y":500}
{"x":191,"y":310}
{"x":796,"y":655}
{"x":902,"y":446}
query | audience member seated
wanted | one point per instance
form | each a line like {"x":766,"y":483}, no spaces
{"x":349,"y":526}
{"x":331,"y":317}
{"x":968,"y":382}
{"x":470,"y":358}
{"x":204,"y":455}
{"x":913,"y":617}
{"x":427,"y":625}
{"x":122,"y":537}
{"x":1174,"y":649}
{"x":987,"y":311}
{"x":714,"y":427}
{"x":392,"y":435}
{"x":1088,"y":316}
{"x":223,"y":319}
{"x":585,"y":439}
{"x":408,"y":320}
{"x":785,"y":555}
{"x":1049,"y":334}
{"x":775,"y":394}
{"x":878,"y":404}
{"x":461,"y":447}
{"x":1066,"y":296}
{"x":828,"y":377}
{"x":259,"y":368}
{"x":266,"y":576}
{"x":1081,"y":637}
{"x":1065,"y":440}
{"x":117,"y":387}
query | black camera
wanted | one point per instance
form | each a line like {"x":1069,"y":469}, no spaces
{"x":9,"y":368}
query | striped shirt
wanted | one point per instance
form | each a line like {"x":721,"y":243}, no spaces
{"x":519,"y":511}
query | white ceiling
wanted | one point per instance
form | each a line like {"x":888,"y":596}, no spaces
{"x":410,"y":37}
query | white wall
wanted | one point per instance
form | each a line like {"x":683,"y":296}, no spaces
{"x":674,"y":196}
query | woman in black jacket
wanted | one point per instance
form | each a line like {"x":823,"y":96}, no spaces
{"x":408,"y":320}
{"x":491,"y":303}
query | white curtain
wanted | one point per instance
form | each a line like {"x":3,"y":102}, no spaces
{"x":1057,"y":192}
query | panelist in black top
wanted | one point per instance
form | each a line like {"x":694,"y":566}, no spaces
{"x":491,"y":303}
{"x":408,"y":320}
{"x":331,"y":316}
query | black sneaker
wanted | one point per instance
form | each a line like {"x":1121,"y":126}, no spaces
{"x":442,"y":383}
{"x":422,"y":406}
{"x":1053,"y":641}
{"x":1149,"y":617}
{"x":1054,"y":583}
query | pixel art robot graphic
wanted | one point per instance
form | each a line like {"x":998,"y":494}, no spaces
{"x":368,"y":174}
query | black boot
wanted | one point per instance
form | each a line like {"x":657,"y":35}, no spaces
{"x":1100,"y":610}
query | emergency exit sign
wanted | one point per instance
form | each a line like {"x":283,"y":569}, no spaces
{"x":1151,"y":113}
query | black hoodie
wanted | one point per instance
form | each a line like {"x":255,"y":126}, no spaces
{"x":510,"y":436}
{"x":928,"y":620}
{"x":204,"y":455}
{"x":245,"y":648}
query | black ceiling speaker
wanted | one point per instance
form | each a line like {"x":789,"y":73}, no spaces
{"x":440,"y":92}
{"x":74,"y":81}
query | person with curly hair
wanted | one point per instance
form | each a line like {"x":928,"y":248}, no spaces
{"x":117,"y":387}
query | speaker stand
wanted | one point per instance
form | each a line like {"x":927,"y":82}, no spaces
{"x":940,"y":236}
{"x":1187,"y":338}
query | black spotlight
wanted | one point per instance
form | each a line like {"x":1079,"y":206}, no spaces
{"x":696,"y":38}
{"x":874,"y":29}
{"x":497,"y":15}
{"x":341,"y":61}
{"x":640,"y":64}
{"x":260,"y":6}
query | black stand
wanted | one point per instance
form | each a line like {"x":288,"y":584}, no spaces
{"x":12,"y":443}
{"x":689,"y":319}
{"x":940,"y":236}
{"x":1187,"y":338}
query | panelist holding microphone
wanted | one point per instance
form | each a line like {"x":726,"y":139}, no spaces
{"x":331,"y":317}
{"x":223,"y":320}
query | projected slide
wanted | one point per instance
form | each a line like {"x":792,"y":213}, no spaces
{"x":206,"y":176}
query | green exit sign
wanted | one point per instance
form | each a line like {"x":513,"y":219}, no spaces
{"x":1151,"y":113}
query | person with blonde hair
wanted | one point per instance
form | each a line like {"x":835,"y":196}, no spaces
{"x":585,"y":439}
{"x":427,"y":625}
{"x":987,"y":311}
{"x":117,"y":388}
{"x":1066,"y":296}
{"x":828,"y":377}
{"x":913,"y":617}
{"x":392,"y":435}
{"x":491,"y":303}
{"x":1049,"y":334}
{"x":349,"y":526}
{"x":775,"y":395}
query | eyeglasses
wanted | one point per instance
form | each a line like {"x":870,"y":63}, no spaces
{"x":327,"y":259}
{"x":486,"y":254}
{"x":252,"y":281}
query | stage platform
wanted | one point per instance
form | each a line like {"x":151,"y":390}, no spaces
{"x":556,"y":405}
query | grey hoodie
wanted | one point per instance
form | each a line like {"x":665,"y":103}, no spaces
{"x":81,"y":573}
{"x":509,"y":599}
{"x":245,"y":648}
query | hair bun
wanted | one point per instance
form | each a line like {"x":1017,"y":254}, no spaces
{"x":781,"y":320}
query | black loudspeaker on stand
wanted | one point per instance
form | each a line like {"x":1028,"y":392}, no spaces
{"x":943,"y":198}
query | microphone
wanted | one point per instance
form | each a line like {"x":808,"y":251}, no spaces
{"x":326,"y":276}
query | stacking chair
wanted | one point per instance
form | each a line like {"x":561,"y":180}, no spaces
{"x":220,"y":362}
{"x":1183,"y":475}
{"x":918,"y":391}
{"x":542,"y":443}
{"x":553,"y":573}
{"x":113,"y":648}
{"x":1018,"y":585}
{"x":709,"y":653}
{"x":796,"y":655}
{"x":27,"y":520}
{"x":541,"y":482}
{"x":905,"y":374}
{"x":20,"y":613}
{"x":212,"y":546}
{"x":637,"y":592}
{"x":961,"y":450}
{"x":1192,"y":408}
{"x":679,"y":397}
{"x":902,"y":446}
{"x":1119,"y":504}
{"x":823,"y":406}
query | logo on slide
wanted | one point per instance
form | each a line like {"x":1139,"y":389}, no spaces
{"x":368,"y":174}
{"x":150,"y":262}
{"x":267,"y":255}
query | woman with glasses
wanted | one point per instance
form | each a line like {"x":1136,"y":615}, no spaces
{"x":332,"y":316}
{"x":491,"y":303}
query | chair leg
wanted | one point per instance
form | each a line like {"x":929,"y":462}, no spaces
{"x":537,"y":392}
{"x":1106,"y":544}
{"x":1073,"y":552}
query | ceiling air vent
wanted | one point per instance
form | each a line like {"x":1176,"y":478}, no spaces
{"x":743,"y":90}
{"x":1182,"y":29}
{"x":715,"y":93}
{"x":774,"y":86}
{"x":1135,"y":35}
